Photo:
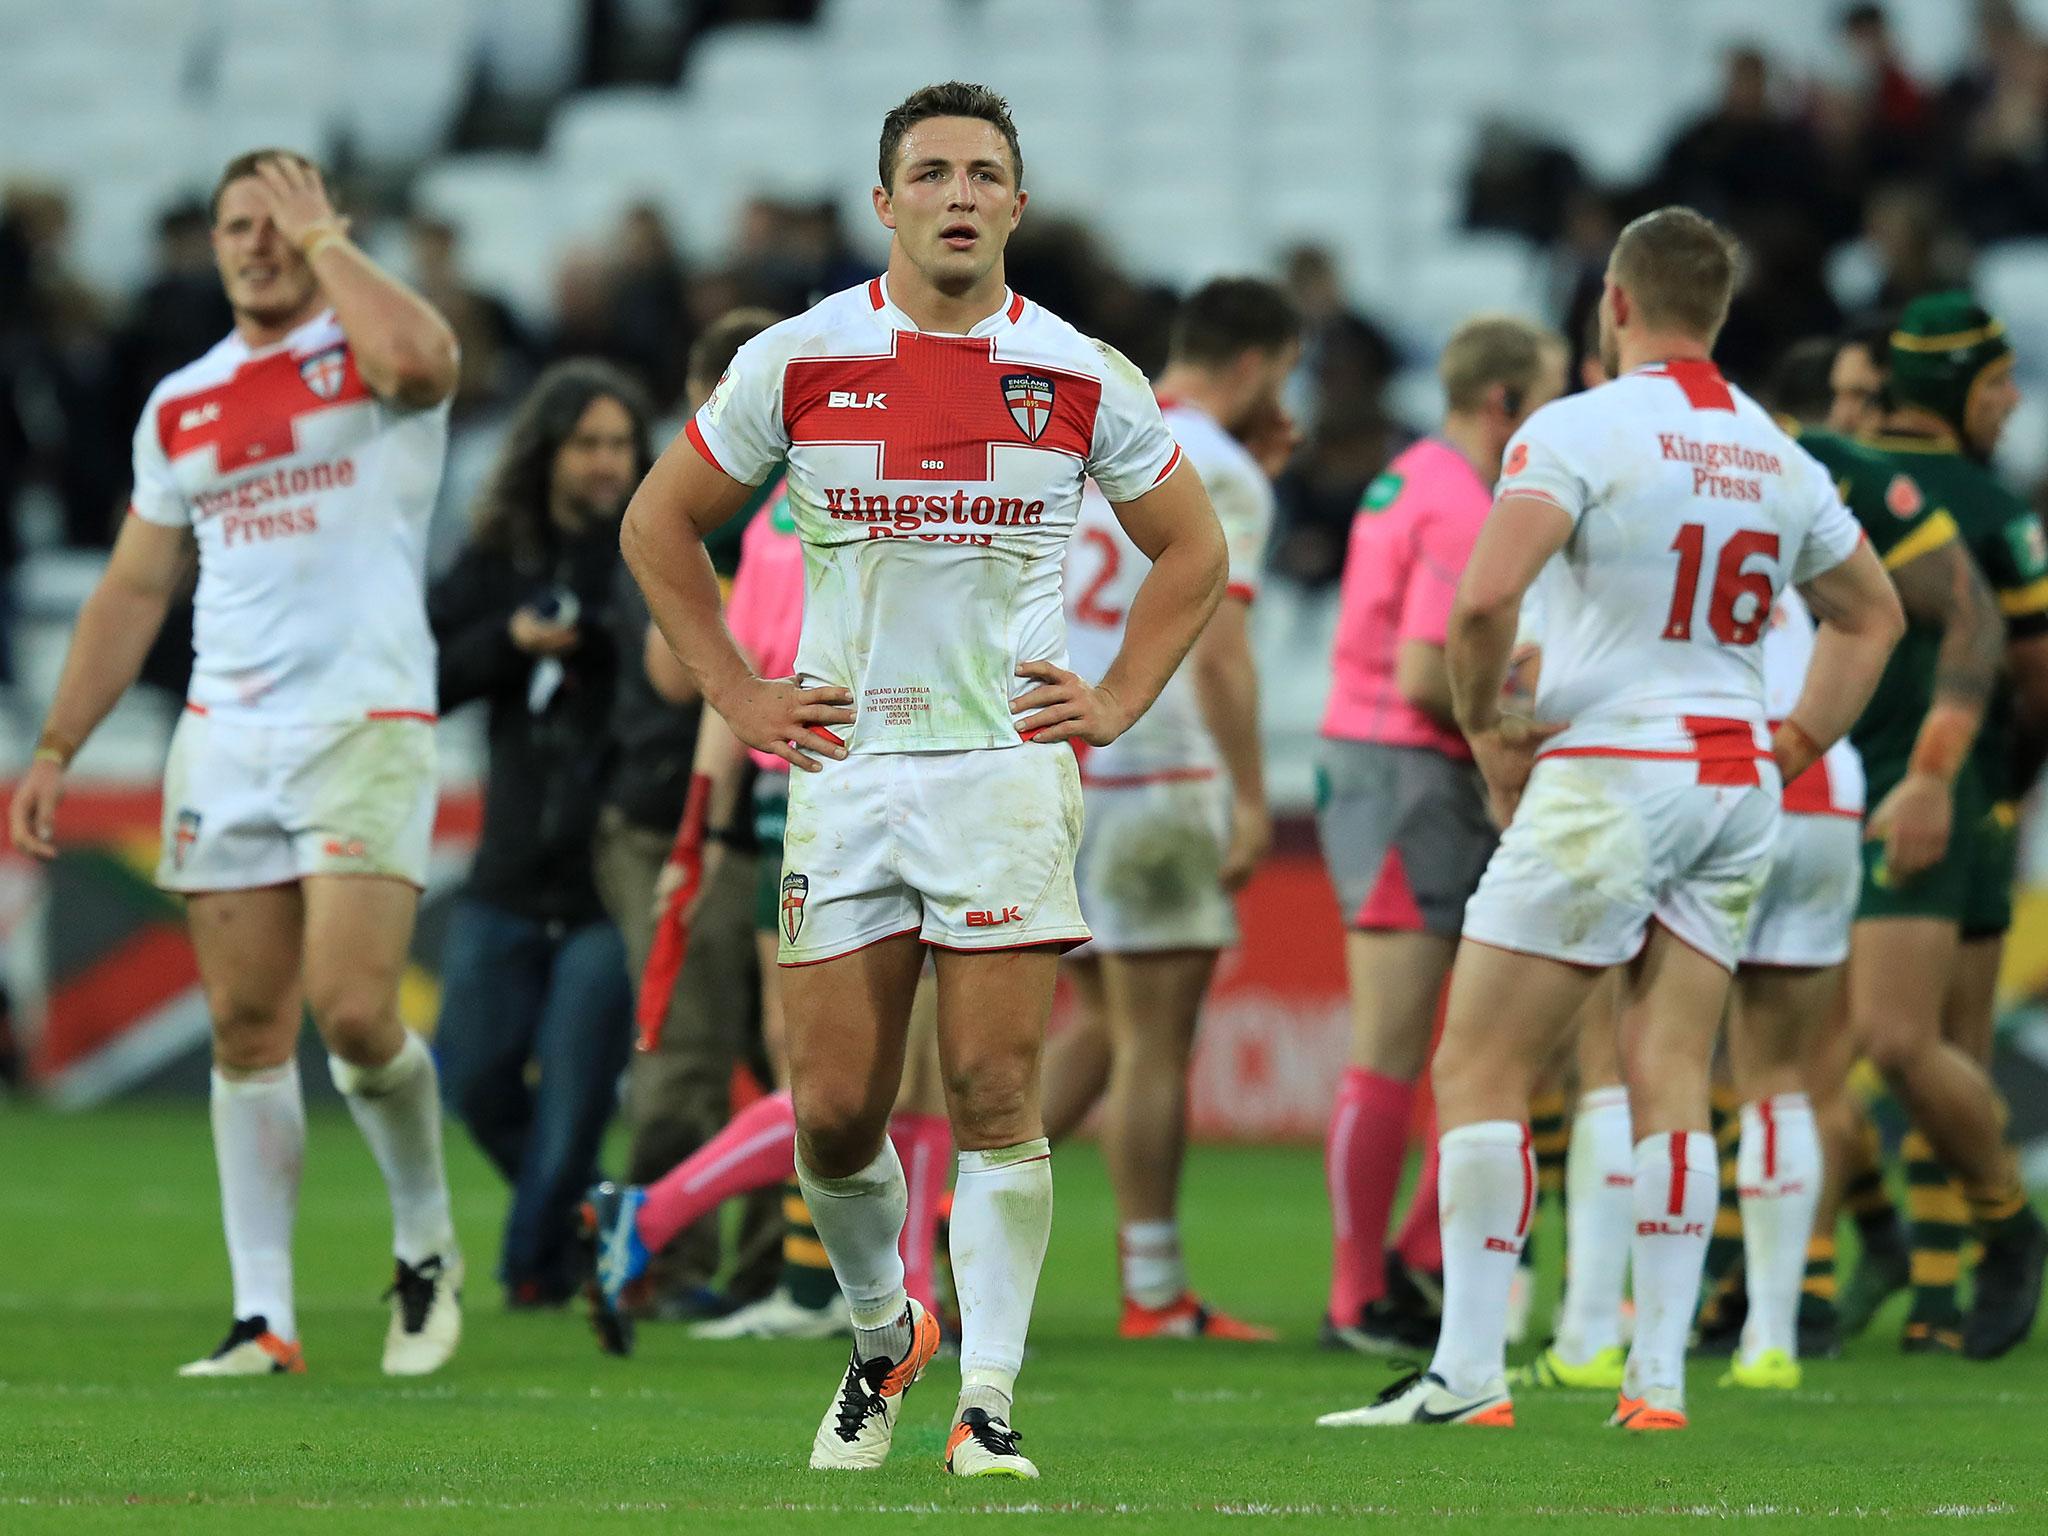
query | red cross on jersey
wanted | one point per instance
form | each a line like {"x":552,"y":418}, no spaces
{"x":935,"y":481}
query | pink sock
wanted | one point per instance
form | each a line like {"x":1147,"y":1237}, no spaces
{"x":1368,"y":1139}
{"x":1421,"y":1243}
{"x":924,"y":1145}
{"x":756,"y":1150}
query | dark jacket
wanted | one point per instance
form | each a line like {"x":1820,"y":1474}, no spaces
{"x":547,"y":765}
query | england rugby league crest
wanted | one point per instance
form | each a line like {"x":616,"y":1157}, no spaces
{"x":325,"y":372}
{"x":1029,"y":397}
{"x":796,"y":889}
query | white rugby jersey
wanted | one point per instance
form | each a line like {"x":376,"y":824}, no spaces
{"x":1691,"y":512}
{"x":1833,"y":786}
{"x":309,"y":499}
{"x":935,"y":480}
{"x":1104,"y":571}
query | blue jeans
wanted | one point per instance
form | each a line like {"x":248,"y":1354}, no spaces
{"x":514,"y":993}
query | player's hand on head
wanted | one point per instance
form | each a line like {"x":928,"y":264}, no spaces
{"x":298,"y":198}
{"x":1913,"y":822}
{"x":782,"y":717}
{"x":1251,"y":837}
{"x":32,"y":813}
{"x":1065,"y":706}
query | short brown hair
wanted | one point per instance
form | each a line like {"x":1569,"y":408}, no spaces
{"x":1227,"y":316}
{"x":712,"y":352}
{"x":1494,"y":349}
{"x":1679,"y":268}
{"x":956,"y":98}
{"x":245,"y":165}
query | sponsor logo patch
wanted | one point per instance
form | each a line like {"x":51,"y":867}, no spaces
{"x":1029,"y":397}
{"x":796,"y":890}
{"x":325,"y":372}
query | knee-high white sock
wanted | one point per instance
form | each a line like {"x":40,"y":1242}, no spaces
{"x":1678,"y":1186}
{"x":1002,"y":1219}
{"x":1777,"y":1173}
{"x":1486,"y":1188}
{"x":1600,"y":1215}
{"x":860,"y":1221}
{"x":397,"y":1107}
{"x":259,"y":1143}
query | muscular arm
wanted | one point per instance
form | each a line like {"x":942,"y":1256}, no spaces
{"x":668,"y":676}
{"x":403,"y":348}
{"x":117,"y":625}
{"x":1424,"y":678}
{"x":662,"y":537}
{"x":1943,"y":587}
{"x":1521,"y":533}
{"x":1859,"y":621}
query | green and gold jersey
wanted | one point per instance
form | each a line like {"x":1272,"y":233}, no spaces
{"x":1903,"y":522}
{"x":2005,"y":538}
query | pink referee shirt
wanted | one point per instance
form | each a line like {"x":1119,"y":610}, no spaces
{"x":766,"y":609}
{"x":1409,"y":544}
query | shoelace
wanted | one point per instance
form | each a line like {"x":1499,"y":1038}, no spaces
{"x":1412,"y":1373}
{"x":997,"y":1442}
{"x":860,"y":1396}
{"x":246,"y":1330}
{"x":414,"y":1288}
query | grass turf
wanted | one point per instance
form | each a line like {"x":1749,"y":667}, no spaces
{"x":115,"y":1274}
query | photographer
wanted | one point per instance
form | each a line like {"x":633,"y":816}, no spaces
{"x":534,"y":972}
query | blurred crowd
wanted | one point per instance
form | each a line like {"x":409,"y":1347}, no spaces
{"x":1910,"y":175}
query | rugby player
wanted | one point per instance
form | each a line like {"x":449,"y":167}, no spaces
{"x":1176,"y":808}
{"x":938,"y":429}
{"x":298,"y":460}
{"x":1664,"y":513}
{"x":1400,"y":808}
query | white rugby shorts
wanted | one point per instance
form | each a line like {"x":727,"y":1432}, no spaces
{"x":1805,"y":910}
{"x":249,"y":804}
{"x":1601,"y":847}
{"x":967,"y":850}
{"x":1151,"y":858}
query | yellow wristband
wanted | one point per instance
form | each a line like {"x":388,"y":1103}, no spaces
{"x":319,"y":238}
{"x":56,"y":747}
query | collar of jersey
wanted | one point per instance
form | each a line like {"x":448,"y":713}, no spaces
{"x":286,"y":342}
{"x":1000,"y":320}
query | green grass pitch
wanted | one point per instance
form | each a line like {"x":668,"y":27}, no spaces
{"x":113,"y":1273}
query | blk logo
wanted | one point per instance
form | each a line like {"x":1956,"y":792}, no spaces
{"x":994,"y":919}
{"x":849,"y":400}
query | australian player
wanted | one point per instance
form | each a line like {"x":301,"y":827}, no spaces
{"x":299,"y":460}
{"x":938,"y":429}
{"x":1663,"y":512}
{"x":1176,"y":807}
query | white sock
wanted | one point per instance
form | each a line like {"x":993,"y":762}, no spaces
{"x":1599,"y":1215}
{"x":1486,"y":1188}
{"x":1777,"y":1170}
{"x":860,"y":1221}
{"x":1002,"y":1219}
{"x":1678,"y":1187}
{"x":1149,"y":1254}
{"x":397,"y":1107}
{"x":259,"y":1143}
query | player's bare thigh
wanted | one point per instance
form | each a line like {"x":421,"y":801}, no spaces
{"x":1970,"y":1012}
{"x":1077,"y":1059}
{"x":993,"y":1007}
{"x":1778,"y":1014}
{"x":923,"y":1091}
{"x":1507,"y":1015}
{"x":1900,"y":970}
{"x":248,"y":945}
{"x":358,"y":935}
{"x":846,"y":1021}
{"x":1674,"y":999}
{"x":1395,"y":979}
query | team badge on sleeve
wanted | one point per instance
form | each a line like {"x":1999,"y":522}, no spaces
{"x":1029,"y":397}
{"x":796,"y":889}
{"x":324,"y":372}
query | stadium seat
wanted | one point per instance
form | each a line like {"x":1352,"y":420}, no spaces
{"x":1446,"y":284}
{"x":2012,"y":281}
{"x":502,"y":204}
{"x":531,"y":48}
{"x":400,"y":107}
